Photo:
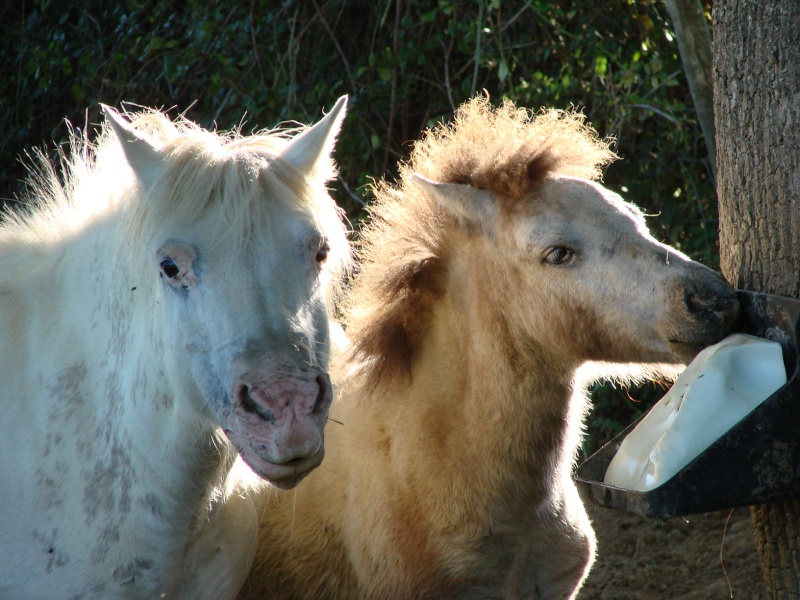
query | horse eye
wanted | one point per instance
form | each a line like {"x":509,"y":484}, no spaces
{"x":559,"y":256}
{"x":322,"y":255}
{"x":169,"y":268}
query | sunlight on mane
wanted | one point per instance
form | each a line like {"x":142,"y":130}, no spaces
{"x":91,"y":182}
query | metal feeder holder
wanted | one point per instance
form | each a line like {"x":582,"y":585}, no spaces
{"x":754,"y":462}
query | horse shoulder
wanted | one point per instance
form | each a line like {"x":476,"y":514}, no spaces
{"x":221,"y":551}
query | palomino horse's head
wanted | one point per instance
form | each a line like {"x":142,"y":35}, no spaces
{"x":590,"y":282}
{"x":242,"y":245}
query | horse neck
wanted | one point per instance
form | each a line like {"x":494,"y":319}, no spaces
{"x":510,"y":405}
{"x":491,"y":409}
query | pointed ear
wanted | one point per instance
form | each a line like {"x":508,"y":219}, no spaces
{"x":310,"y":150}
{"x":143,"y":154}
{"x":469,"y":204}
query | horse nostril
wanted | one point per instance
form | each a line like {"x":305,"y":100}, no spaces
{"x":695,"y":303}
{"x":720,"y":303}
{"x":707,"y":300}
{"x":321,"y":393}
{"x":250,"y":405}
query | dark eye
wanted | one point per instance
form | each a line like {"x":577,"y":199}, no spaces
{"x":559,"y":256}
{"x":169,"y":268}
{"x":322,"y":255}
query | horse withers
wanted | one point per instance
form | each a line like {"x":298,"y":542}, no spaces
{"x":164,"y":309}
{"x":496,"y":277}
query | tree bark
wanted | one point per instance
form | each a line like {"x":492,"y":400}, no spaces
{"x":694,"y":45}
{"x":757,"y":116}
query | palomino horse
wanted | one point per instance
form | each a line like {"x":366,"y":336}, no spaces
{"x":161,"y":309}
{"x":490,"y":274}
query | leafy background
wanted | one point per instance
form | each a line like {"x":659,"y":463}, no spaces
{"x":405,"y":64}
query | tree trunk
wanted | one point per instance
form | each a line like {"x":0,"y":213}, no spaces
{"x":757,"y":115}
{"x":694,"y":45}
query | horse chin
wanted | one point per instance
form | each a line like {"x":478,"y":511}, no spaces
{"x":284,"y":476}
{"x":684,"y":352}
{"x":280,"y":455}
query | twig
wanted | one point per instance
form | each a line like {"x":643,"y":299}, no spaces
{"x":350,"y":192}
{"x":294,"y":42}
{"x":508,"y":23}
{"x":688,"y":177}
{"x":664,"y":81}
{"x":661,"y":113}
{"x":721,"y":546}
{"x":477,"y":57}
{"x":393,"y":100}
{"x":335,"y":41}
{"x":255,"y":45}
{"x":447,"y":72}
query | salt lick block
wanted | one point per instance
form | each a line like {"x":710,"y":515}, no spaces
{"x":721,"y":386}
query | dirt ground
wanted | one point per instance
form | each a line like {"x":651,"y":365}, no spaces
{"x":695,"y":557}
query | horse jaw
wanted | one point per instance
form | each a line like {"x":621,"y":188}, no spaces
{"x":310,"y":150}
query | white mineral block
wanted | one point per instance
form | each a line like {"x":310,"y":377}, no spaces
{"x":721,"y":386}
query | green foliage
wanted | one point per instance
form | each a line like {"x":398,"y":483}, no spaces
{"x":406,"y":64}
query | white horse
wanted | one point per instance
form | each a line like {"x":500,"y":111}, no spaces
{"x":161,"y":309}
{"x":489,"y":275}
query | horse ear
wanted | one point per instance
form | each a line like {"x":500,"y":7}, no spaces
{"x":310,"y":150}
{"x":143,"y":154}
{"x":469,"y":204}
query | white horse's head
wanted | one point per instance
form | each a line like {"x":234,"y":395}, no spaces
{"x":242,"y":246}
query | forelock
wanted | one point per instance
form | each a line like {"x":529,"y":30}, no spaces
{"x":510,"y":150}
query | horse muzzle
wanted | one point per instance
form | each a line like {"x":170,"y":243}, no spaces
{"x":278,"y":416}
{"x":709,"y":311}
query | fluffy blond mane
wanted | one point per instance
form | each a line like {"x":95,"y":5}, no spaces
{"x":404,"y":251}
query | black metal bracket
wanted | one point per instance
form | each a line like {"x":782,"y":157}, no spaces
{"x":756,"y":461}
